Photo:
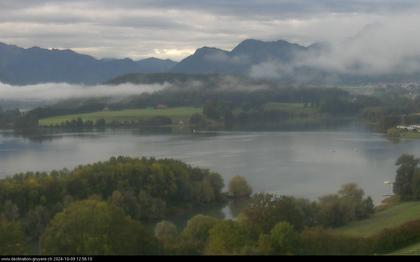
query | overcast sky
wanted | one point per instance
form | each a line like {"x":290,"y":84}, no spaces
{"x":175,"y":28}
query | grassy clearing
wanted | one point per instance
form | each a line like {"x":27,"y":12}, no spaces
{"x":176,"y":113}
{"x":391,"y":217}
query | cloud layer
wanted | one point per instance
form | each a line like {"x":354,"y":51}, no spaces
{"x":59,"y":91}
{"x":175,"y":28}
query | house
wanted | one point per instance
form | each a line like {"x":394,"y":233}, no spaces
{"x":414,"y":128}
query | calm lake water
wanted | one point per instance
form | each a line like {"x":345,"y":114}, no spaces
{"x":305,"y":164}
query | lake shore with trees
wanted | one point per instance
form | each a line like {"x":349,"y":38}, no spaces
{"x":136,"y":198}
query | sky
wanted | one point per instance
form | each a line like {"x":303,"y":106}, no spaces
{"x":175,"y":28}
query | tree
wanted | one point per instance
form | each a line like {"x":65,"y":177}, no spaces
{"x":347,"y":205}
{"x":238,"y":187}
{"x":264,"y":211}
{"x":393,"y":132}
{"x":10,"y":211}
{"x":149,"y":208}
{"x":331,"y":213}
{"x":11,"y":238}
{"x":93,"y":227}
{"x":198,"y":120}
{"x":229,"y":238}
{"x":352,"y":198}
{"x":35,"y":222}
{"x":166,"y":232}
{"x":196,"y":232}
{"x":100,"y":123}
{"x":416,"y":185}
{"x":214,"y":110}
{"x":405,"y":172}
{"x":283,"y":239}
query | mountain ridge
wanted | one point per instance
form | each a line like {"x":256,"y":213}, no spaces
{"x":22,"y":66}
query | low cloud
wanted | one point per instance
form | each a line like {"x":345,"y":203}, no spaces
{"x":51,"y":92}
{"x":390,"y":46}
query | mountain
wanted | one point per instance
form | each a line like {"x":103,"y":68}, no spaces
{"x":240,"y":60}
{"x":279,"y":61}
{"x":20,"y":66}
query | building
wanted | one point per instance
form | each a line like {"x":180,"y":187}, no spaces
{"x":414,"y":128}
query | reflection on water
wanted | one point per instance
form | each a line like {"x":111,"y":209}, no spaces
{"x":303,"y":164}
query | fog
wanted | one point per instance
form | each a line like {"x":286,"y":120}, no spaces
{"x":51,"y":92}
{"x":388,"y":45}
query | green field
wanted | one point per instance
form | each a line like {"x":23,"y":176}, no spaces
{"x":390,"y":217}
{"x":176,"y":113}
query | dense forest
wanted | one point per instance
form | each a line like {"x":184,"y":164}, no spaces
{"x":145,"y":189}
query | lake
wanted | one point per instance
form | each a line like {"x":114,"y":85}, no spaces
{"x":299,"y":163}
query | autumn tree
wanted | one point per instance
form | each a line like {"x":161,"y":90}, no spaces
{"x":93,"y":227}
{"x":238,"y":187}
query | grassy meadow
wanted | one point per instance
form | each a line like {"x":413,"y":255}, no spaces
{"x":175,"y":113}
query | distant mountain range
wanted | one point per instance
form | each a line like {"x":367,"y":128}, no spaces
{"x":280,"y":60}
{"x":34,"y":65}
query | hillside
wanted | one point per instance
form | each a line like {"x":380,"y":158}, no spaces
{"x":389,"y":218}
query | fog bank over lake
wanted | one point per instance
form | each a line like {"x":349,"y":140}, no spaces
{"x":304,"y":164}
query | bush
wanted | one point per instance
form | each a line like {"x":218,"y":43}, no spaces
{"x":318,"y":241}
{"x":393,"y":239}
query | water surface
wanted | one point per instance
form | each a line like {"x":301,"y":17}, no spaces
{"x":305,"y":164}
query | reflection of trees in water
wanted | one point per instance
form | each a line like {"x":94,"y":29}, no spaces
{"x":41,"y":135}
{"x":48,"y":134}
